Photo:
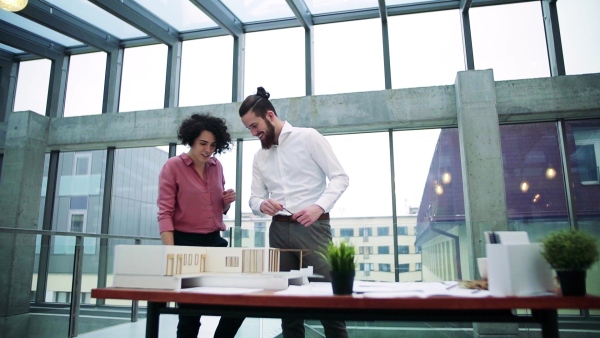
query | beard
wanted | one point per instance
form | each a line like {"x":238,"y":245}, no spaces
{"x":269,"y":139}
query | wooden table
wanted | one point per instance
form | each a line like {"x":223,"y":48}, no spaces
{"x":268,"y":304}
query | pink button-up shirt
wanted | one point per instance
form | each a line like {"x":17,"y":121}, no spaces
{"x":188,"y":203}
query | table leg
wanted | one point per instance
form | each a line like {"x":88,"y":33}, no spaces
{"x":549,"y":321}
{"x":153,"y":319}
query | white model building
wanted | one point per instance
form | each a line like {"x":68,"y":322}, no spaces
{"x":175,"y":267}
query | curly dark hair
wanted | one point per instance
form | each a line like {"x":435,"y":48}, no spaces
{"x":259,"y":103}
{"x":194,"y":125}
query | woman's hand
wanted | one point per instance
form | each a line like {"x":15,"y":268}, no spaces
{"x":228,"y":197}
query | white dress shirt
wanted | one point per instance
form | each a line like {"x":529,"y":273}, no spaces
{"x":294,"y":172}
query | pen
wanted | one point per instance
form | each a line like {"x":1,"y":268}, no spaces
{"x":287,"y":210}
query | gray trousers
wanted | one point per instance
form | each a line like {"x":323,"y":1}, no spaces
{"x":293,"y":235}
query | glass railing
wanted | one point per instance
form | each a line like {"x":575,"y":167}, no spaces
{"x":75,"y":263}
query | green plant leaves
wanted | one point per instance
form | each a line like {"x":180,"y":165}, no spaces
{"x":567,"y":250}
{"x":341,"y":257}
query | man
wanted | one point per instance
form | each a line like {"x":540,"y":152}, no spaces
{"x":289,"y":183}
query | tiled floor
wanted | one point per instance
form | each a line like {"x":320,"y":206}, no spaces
{"x":252,"y":328}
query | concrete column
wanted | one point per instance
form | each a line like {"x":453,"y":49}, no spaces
{"x":483,"y":174}
{"x":20,"y":187}
{"x":480,"y":157}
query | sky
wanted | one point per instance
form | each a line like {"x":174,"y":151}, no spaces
{"x":425,"y":50}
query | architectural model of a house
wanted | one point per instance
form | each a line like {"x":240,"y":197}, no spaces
{"x":175,"y":267}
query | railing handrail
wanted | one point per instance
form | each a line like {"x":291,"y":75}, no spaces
{"x":77,"y":265}
{"x":74,"y":234}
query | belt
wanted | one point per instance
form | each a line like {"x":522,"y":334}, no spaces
{"x":289,"y":219}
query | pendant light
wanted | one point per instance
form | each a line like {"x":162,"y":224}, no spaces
{"x":13,"y":5}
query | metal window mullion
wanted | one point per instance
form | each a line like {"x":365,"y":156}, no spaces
{"x":563,"y":141}
{"x":173,"y":76}
{"x":309,"y":60}
{"x":105,"y":220}
{"x":112,"y":81}
{"x":8,"y":87}
{"x":239,"y":60}
{"x":76,"y":286}
{"x":172,"y":149}
{"x":394,"y":213}
{"x":465,"y":25}
{"x":386,"y":45}
{"x":238,"y":188}
{"x":42,"y":279}
{"x":553,"y":40}
{"x":57,"y":90}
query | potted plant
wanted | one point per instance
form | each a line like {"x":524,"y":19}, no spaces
{"x":341,"y":258}
{"x":570,"y":252}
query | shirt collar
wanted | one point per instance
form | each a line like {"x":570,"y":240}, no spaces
{"x":286,"y":129}
{"x":188,"y":160}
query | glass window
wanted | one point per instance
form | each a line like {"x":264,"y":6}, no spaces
{"x":383,"y":250}
{"x":366,"y":266}
{"x":385,"y":267}
{"x":581,"y":135}
{"x":441,"y":205}
{"x":421,"y":53}
{"x":383,"y":231}
{"x":365,"y":232}
{"x":510,"y":39}
{"x":365,"y":250}
{"x":533,"y":178}
{"x":418,"y":266}
{"x":355,"y":202}
{"x":183,"y":15}
{"x":135,"y":191}
{"x":32,"y":86}
{"x":403,"y":249}
{"x":77,"y":223}
{"x":346,"y":232}
{"x":81,"y":163}
{"x":79,"y":203}
{"x":579,"y":35}
{"x":249,"y":11}
{"x":206,"y":77}
{"x":281,"y":70}
{"x":143,"y":78}
{"x":586,"y":153}
{"x":85,"y":84}
{"x":403,"y":268}
{"x":402,"y":231}
{"x":339,"y":68}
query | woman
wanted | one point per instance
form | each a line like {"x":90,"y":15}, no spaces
{"x":192,"y":201}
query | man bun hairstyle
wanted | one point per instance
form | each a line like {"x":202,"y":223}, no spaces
{"x":259,"y":103}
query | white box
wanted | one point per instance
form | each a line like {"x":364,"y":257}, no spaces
{"x":518,"y":270}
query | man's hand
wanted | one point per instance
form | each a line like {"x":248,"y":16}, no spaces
{"x":309,"y":215}
{"x":270,"y":207}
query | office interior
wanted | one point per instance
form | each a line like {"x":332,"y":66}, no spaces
{"x":451,"y":117}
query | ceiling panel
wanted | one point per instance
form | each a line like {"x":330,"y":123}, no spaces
{"x":259,"y":10}
{"x":10,"y":49}
{"x":38,"y":29}
{"x":407,"y":2}
{"x":181,"y":14}
{"x":327,"y":6}
{"x":96,"y":16}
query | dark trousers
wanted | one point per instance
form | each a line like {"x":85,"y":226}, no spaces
{"x":293,"y":235}
{"x":189,"y":326}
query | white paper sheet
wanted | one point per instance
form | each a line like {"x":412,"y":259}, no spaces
{"x":390,"y":289}
{"x":219,"y":291}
